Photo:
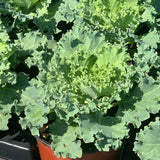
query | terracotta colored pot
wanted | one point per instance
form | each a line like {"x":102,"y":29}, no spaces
{"x":46,"y":153}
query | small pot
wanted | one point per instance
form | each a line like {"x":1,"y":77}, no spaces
{"x":46,"y":153}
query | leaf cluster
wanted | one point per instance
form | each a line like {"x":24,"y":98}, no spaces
{"x":87,"y":69}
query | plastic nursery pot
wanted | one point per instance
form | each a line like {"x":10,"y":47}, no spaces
{"x":46,"y":153}
{"x":10,"y":149}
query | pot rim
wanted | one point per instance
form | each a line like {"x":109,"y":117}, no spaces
{"x":43,"y":141}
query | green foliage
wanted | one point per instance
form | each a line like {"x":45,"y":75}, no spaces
{"x":148,"y":141}
{"x":31,"y":40}
{"x":105,"y":131}
{"x":144,"y":98}
{"x":89,"y":69}
{"x":26,"y":4}
{"x":10,"y":97}
{"x":35,"y":110}
{"x":65,"y":140}
{"x":111,"y":13}
{"x":92,"y":70}
{"x":5,"y":53}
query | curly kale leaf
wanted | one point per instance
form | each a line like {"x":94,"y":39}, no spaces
{"x":142,"y":100}
{"x":19,"y":97}
{"x":5,"y":53}
{"x":111,"y":13}
{"x":95,"y":74}
{"x":31,"y":41}
{"x":108,"y":130}
{"x":24,"y":5}
{"x":35,"y":110}
{"x":104,"y":131}
{"x":10,"y":96}
{"x":145,"y":58}
{"x":27,"y":9}
{"x":91,"y":71}
{"x":148,"y":142}
{"x":84,"y":70}
{"x":65,"y":141}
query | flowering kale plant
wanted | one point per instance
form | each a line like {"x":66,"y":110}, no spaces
{"x":87,"y":69}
